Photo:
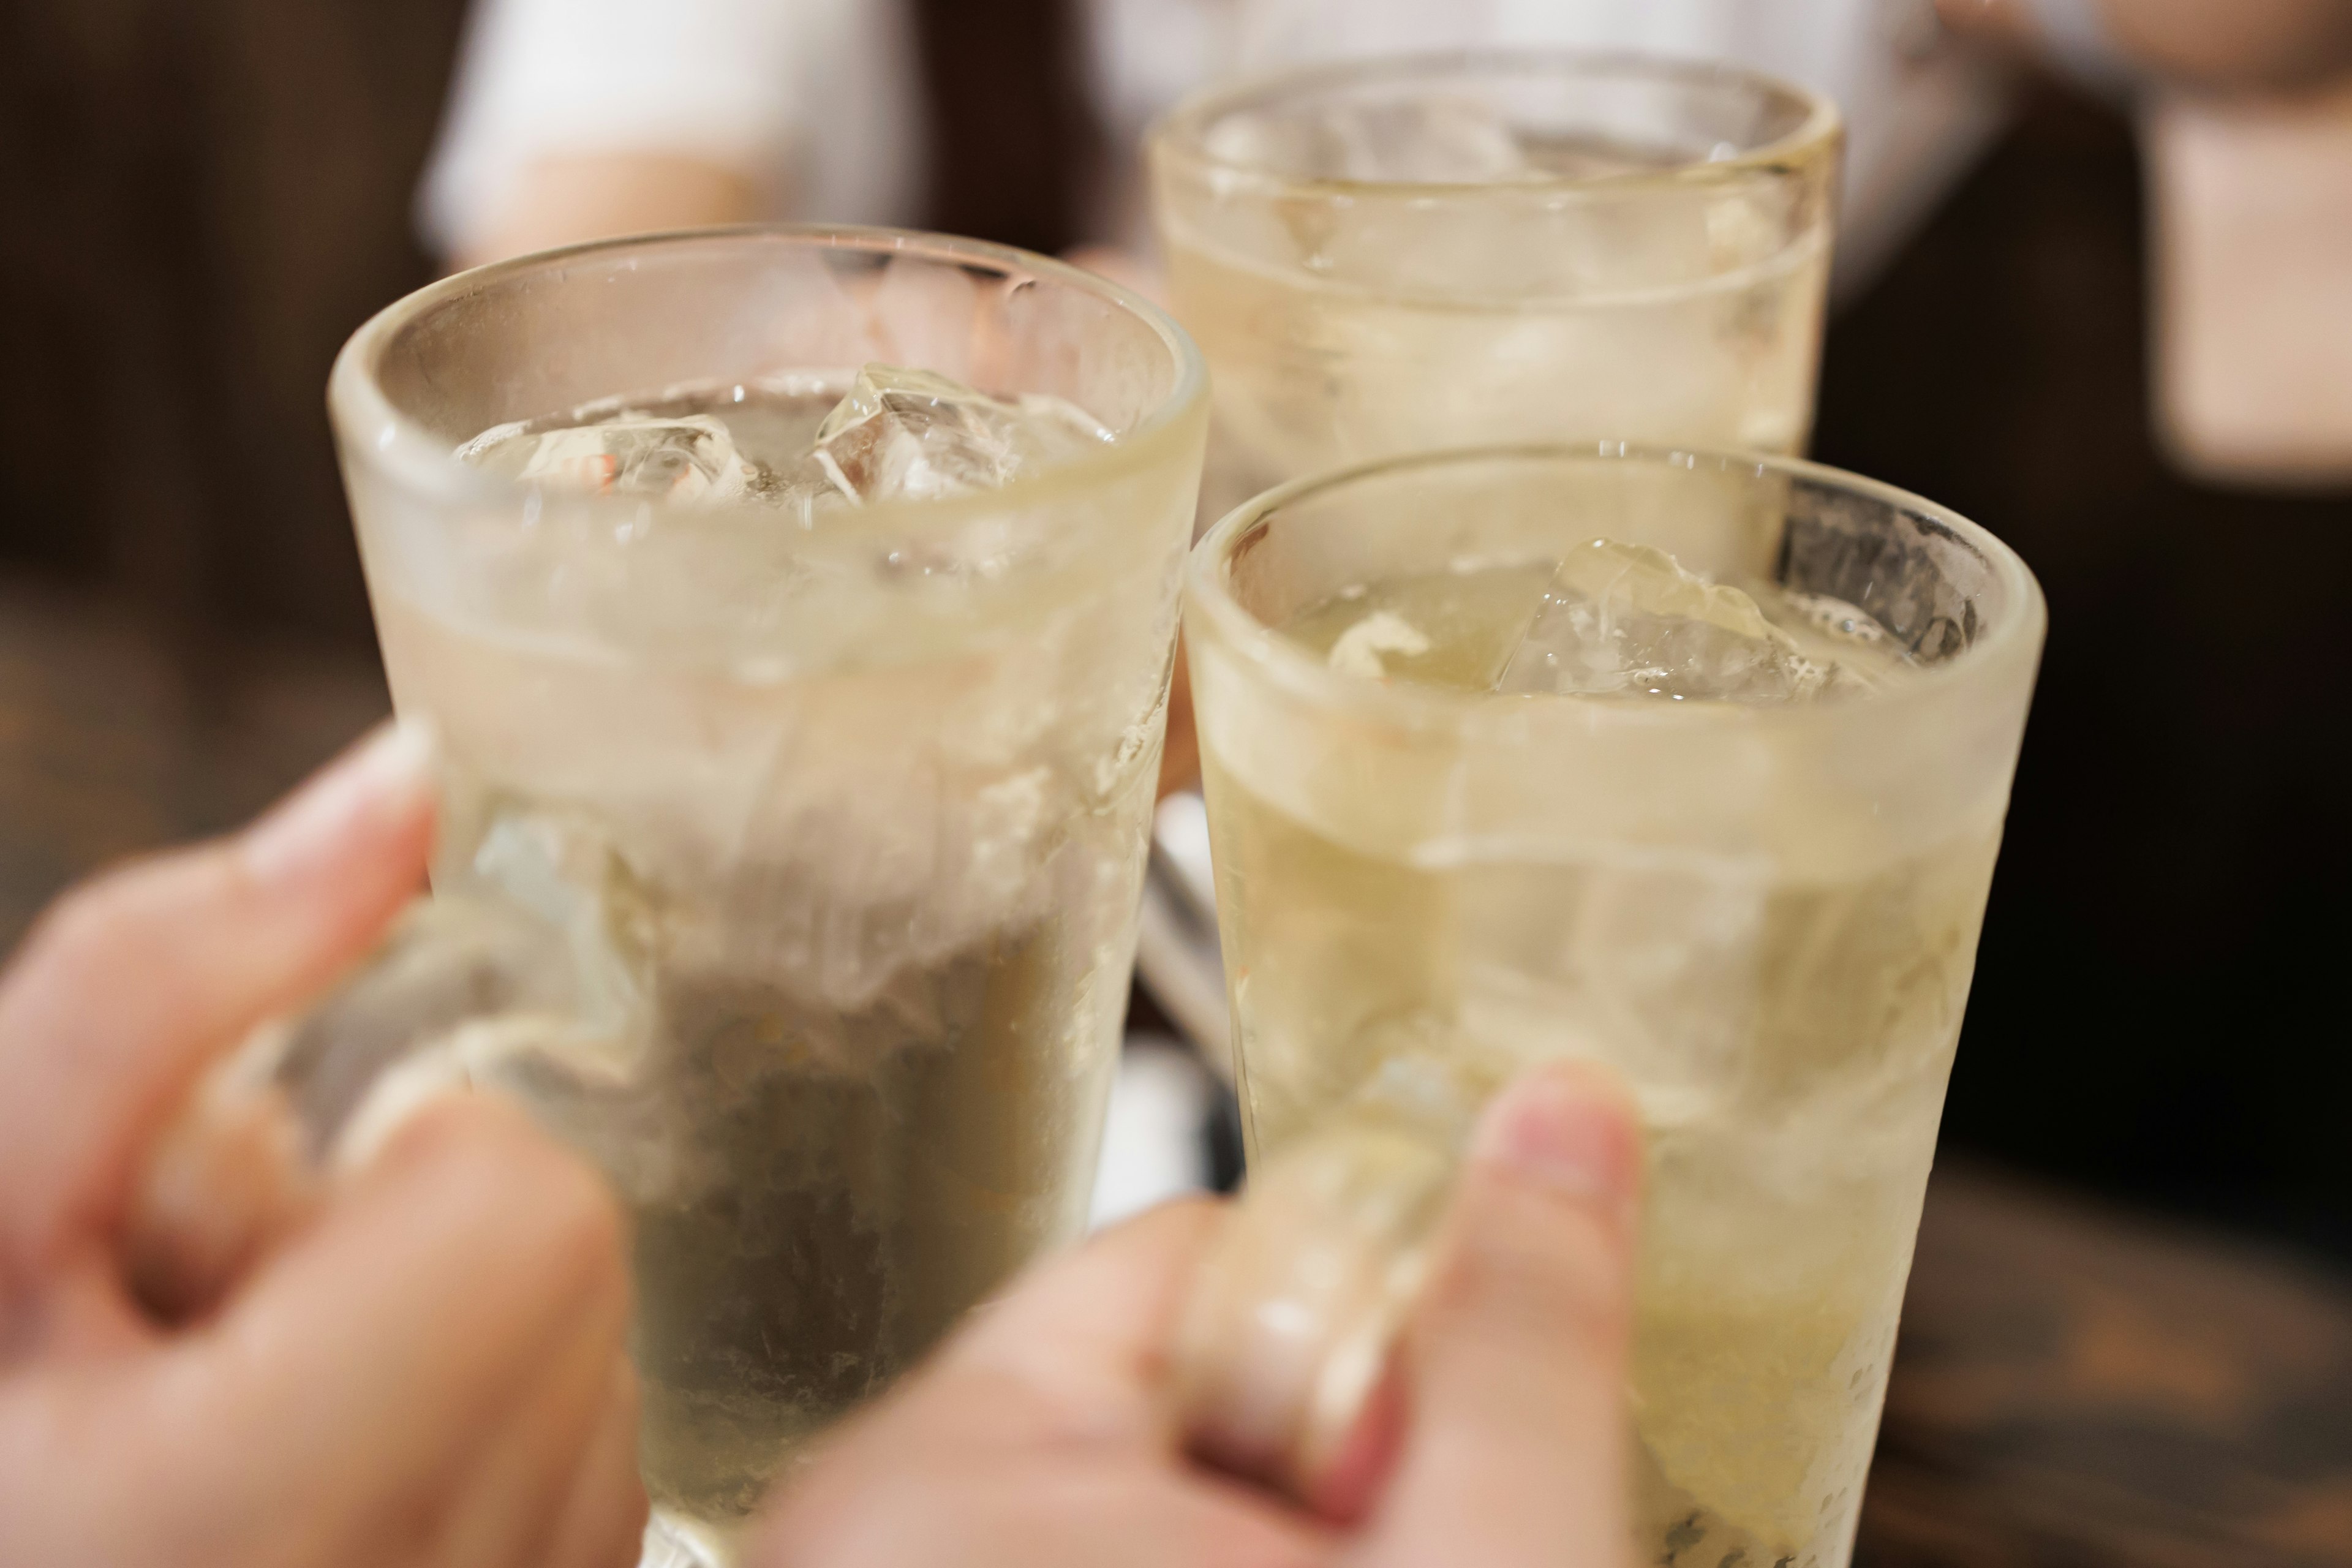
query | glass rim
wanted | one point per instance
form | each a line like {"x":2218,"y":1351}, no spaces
{"x":1182,"y":133}
{"x":366,"y":417}
{"x":1405,"y":704}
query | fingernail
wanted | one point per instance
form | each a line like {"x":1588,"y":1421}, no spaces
{"x":1565,"y":1128}
{"x":381,"y":779}
{"x":399,"y":1097}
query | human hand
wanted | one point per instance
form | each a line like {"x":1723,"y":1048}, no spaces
{"x":420,"y":1363}
{"x":1042,"y":1435}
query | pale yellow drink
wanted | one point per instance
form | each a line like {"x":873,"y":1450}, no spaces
{"x":1403,"y":255}
{"x":830,"y":731}
{"x":1754,"y":894}
{"x":889,"y":979}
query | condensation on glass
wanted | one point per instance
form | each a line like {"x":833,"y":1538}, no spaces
{"x":858,"y":788}
{"x":1754,"y":897}
{"x":1406,"y":254}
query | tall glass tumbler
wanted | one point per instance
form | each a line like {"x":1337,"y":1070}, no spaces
{"x":863,"y":796}
{"x":1404,"y":254}
{"x":1715,"y":802}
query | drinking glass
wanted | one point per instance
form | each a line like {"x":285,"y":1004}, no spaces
{"x":1757,"y":902}
{"x":858,"y":801}
{"x":1401,"y":254}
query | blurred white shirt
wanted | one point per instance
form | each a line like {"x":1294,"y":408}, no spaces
{"x":819,"y":101}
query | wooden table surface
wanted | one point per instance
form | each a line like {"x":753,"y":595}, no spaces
{"x":2076,"y":1387}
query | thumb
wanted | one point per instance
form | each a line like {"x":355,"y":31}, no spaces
{"x":1516,"y":1365}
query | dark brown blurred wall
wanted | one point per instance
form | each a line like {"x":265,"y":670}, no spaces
{"x":2158,"y":1009}
{"x":202,"y":198}
{"x":1013,"y":146}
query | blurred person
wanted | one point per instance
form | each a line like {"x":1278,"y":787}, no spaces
{"x":2252,"y":44}
{"x":574,"y":120}
{"x":2247,"y":120}
{"x":2168,"y":906}
{"x":423,"y":1365}
{"x":577,"y":120}
{"x":580,"y":118}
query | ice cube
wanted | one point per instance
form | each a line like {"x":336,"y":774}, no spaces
{"x":452,"y":965}
{"x":1426,"y":141}
{"x":531,"y":971}
{"x":684,"y":458}
{"x":1435,"y":141}
{"x":560,"y":868}
{"x":1358,"y":652}
{"x":1625,"y":619}
{"x":914,"y":434}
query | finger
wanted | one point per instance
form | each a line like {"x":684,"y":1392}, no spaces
{"x":602,"y":1523}
{"x":1347,"y":1490}
{"x":1515,"y":1367}
{"x":1088,"y":1335}
{"x":132,"y":982}
{"x":1041,"y":1433}
{"x":1036,"y":1512}
{"x":510,"y":1506}
{"x":226,"y":1178}
{"x":1072,"y":1359}
{"x":359,"y":1376}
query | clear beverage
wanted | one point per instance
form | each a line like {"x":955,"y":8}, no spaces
{"x":1414,"y":254}
{"x":826,"y":706}
{"x":1485,"y":792}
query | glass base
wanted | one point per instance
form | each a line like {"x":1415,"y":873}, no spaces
{"x":675,"y":1542}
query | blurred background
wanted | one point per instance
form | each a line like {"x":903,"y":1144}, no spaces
{"x":2076,"y":333}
